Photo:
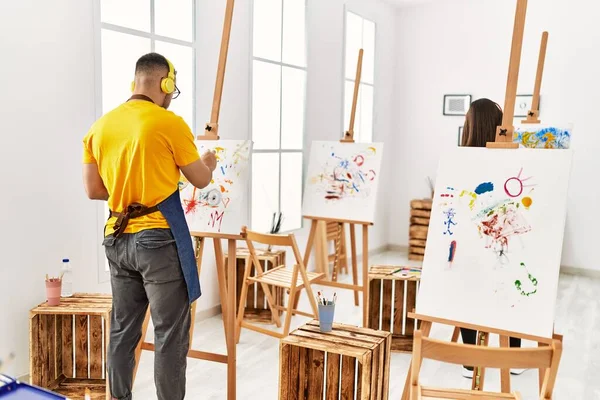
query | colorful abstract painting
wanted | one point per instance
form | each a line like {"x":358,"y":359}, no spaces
{"x":342,"y":181}
{"x":495,"y":238}
{"x":218,"y":207}
{"x":542,"y":137}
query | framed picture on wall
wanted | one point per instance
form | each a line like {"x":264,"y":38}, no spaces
{"x":523,"y":105}
{"x":460,"y":133}
{"x":456,"y":104}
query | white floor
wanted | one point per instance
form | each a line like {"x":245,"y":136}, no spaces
{"x":577,"y":318}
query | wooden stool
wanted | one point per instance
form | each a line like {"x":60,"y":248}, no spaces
{"x":58,"y":359}
{"x":420,"y":211}
{"x":388,"y":307}
{"x":307,"y":356}
{"x":257,"y":309}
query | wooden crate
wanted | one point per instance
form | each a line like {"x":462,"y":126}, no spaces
{"x":391,"y":297}
{"x":257,"y":309}
{"x":67,"y":345}
{"x":420,"y":212}
{"x":312,"y":363}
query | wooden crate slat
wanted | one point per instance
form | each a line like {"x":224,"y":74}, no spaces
{"x":348,"y":371}
{"x":284,"y":371}
{"x":419,"y":221}
{"x":67,"y":345}
{"x":411,"y":296}
{"x":294,"y":372}
{"x":351,"y":351}
{"x":374,"y":303}
{"x":316,"y":375}
{"x":44,"y":359}
{"x":34,"y":351}
{"x":421,"y":204}
{"x":58,"y":343}
{"x":337,"y":339}
{"x":364,"y":389}
{"x":354,"y":329}
{"x":384,"y":369}
{"x":353,"y":338}
{"x":95,"y":347}
{"x":81,"y":346}
{"x":376,"y":372}
{"x":416,"y":250}
{"x":415,"y":257}
{"x":333,"y":376}
{"x":414,"y":212}
{"x":386,"y":316}
{"x":418,"y":232}
{"x":398,"y":307}
{"x":417,"y":243}
{"x":52,"y":373}
{"x":305,"y":361}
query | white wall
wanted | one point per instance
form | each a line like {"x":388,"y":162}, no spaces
{"x":46,"y":108}
{"x":462,"y":46}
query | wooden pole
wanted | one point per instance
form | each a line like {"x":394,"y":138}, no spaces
{"x":212,"y":128}
{"x":349,"y":135}
{"x":504,"y":133}
{"x":534,"y":114}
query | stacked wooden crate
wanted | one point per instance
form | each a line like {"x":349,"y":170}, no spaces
{"x":420,"y":212}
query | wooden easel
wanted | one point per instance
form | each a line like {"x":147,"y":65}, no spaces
{"x":504,"y":140}
{"x":227,"y":287}
{"x":318,"y":232}
{"x":533,"y":116}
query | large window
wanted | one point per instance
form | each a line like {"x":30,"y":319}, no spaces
{"x":278,"y":94}
{"x":360,"y":34}
{"x":133,"y":28}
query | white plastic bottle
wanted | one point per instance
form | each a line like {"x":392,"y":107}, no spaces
{"x":67,"y":278}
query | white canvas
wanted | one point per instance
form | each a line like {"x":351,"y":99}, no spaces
{"x":218,"y":207}
{"x":342,"y":180}
{"x":505,"y":212}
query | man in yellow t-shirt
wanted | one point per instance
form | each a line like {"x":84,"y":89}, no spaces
{"x":133,"y":157}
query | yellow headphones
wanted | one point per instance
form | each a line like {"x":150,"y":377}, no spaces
{"x":167,"y":85}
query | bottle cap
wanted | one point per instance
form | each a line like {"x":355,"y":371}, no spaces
{"x":65,"y":260}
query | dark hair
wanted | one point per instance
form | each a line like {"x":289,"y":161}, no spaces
{"x":150,"y":62}
{"x":480,"y":123}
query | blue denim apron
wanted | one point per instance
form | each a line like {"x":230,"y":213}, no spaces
{"x":173,"y":212}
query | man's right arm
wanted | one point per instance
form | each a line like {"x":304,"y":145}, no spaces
{"x":197,"y":173}
{"x":197,"y":170}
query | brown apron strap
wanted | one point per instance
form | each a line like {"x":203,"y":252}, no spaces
{"x":134,"y":210}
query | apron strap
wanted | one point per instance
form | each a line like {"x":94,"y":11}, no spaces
{"x":134,"y":210}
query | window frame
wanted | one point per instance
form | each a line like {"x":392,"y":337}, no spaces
{"x":345,"y":80}
{"x":279,"y":150}
{"x":98,"y":26}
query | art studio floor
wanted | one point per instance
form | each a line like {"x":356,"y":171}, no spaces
{"x":577,"y":318}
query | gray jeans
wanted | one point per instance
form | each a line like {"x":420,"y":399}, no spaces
{"x":145,"y":269}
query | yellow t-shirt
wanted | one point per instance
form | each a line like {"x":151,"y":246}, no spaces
{"x":139,"y":147}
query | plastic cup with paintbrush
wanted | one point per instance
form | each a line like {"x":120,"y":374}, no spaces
{"x":326,"y":312}
{"x":53,"y":289}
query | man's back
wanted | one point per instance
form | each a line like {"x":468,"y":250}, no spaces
{"x":139,"y":147}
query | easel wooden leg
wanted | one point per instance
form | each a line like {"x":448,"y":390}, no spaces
{"x":309,"y":245}
{"x":230,"y":331}
{"x":365,"y":268}
{"x":504,"y":373}
{"x":321,"y":257}
{"x":425,"y":329}
{"x":354,"y":262}
{"x":344,"y":254}
{"x":483,"y":339}
{"x":199,"y":251}
{"x":222,"y":282}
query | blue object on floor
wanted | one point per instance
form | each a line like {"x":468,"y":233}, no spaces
{"x":11,"y":389}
